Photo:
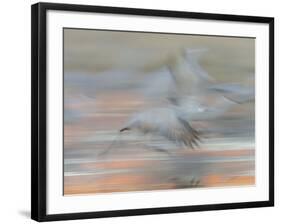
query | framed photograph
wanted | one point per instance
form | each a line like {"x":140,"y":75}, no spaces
{"x":140,"y":111}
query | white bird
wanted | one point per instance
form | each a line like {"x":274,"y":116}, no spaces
{"x":194,"y":88}
{"x":166,"y":122}
{"x":198,"y":95}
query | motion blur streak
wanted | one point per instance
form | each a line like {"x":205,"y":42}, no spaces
{"x":110,"y":77}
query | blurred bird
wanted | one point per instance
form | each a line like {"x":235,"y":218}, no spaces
{"x":166,"y":122}
{"x":189,"y":102}
{"x":199,"y":96}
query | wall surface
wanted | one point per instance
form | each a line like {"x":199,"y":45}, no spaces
{"x":15,"y":111}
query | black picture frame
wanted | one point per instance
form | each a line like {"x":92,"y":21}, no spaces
{"x":39,"y":108}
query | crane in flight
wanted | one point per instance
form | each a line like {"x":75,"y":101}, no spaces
{"x":189,"y":102}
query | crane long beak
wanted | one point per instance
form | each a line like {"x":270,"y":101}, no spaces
{"x":124,"y":129}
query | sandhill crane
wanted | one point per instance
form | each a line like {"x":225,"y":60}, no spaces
{"x":189,"y":103}
{"x":166,"y":122}
{"x":195,"y":87}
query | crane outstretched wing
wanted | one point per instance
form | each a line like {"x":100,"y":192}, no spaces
{"x":235,"y":92}
{"x":188,"y":75}
{"x":192,"y":57}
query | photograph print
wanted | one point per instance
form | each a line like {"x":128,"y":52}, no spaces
{"x":157,"y":111}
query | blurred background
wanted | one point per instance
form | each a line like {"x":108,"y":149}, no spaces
{"x":110,"y":75}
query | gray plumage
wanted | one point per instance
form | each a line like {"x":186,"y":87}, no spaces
{"x":166,"y":122}
{"x":189,"y":101}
